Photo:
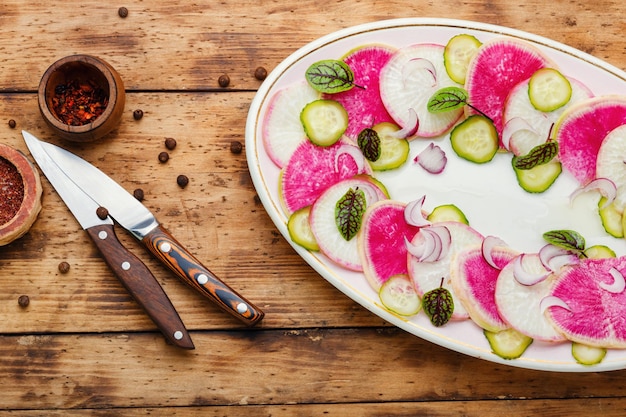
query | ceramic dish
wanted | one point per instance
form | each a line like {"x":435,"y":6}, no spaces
{"x":489,"y":195}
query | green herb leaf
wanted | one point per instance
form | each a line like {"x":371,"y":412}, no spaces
{"x":349,"y":212}
{"x":567,"y":239}
{"x":369,"y":143}
{"x":447,"y":99}
{"x":438,"y":305}
{"x":330,"y":76}
{"x":539,"y":155}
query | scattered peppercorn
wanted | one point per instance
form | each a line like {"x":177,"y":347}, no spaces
{"x":23,"y":301}
{"x":64,"y":267}
{"x":138,"y":194}
{"x":236,"y":147}
{"x":122,"y":12}
{"x":163,"y":157}
{"x":12,"y":124}
{"x":224,"y":80}
{"x":260,"y":73}
{"x":170,"y":143}
{"x":138,"y":114}
{"x":102,"y":212}
{"x":182,"y":181}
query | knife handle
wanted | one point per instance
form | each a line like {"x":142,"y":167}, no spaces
{"x":169,"y":251}
{"x":141,"y":285}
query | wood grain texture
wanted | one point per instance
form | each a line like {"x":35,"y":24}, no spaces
{"x":84,"y":347}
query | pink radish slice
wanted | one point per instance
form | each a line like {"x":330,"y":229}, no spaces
{"x":581,"y":131}
{"x":520,"y":306}
{"x":312,"y":169}
{"x":412,"y":75}
{"x":363,"y":103}
{"x":282,"y":129}
{"x":597,"y":317}
{"x":474,"y":282}
{"x":498,"y":66}
{"x":427,"y":275}
{"x":381,"y":241}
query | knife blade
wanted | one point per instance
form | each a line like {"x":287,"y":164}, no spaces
{"x":129,"y":213}
{"x":130,"y":270}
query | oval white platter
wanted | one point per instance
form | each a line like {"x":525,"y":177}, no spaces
{"x":488,"y":194}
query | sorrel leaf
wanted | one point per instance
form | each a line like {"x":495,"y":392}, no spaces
{"x":330,"y":76}
{"x":567,"y":239}
{"x":369,"y":143}
{"x":447,"y":99}
{"x":539,"y":155}
{"x":349,"y":212}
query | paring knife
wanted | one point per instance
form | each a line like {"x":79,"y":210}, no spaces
{"x":133,"y":274}
{"x":129,"y":213}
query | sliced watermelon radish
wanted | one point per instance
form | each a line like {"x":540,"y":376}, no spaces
{"x":594,"y":316}
{"x":581,"y":130}
{"x":312,"y":169}
{"x":362,"y":102}
{"x":412,"y":75}
{"x":520,"y":305}
{"x":498,"y":66}
{"x":610,"y":162}
{"x":474,"y":282}
{"x":324,"y":226}
{"x":527,"y":127}
{"x":427,"y":275}
{"x":282,"y":128}
{"x":381,"y":241}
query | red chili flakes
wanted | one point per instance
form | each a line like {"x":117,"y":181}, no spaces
{"x":11,"y":191}
{"x":77,"y":104}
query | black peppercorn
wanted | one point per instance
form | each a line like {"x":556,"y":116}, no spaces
{"x":138,"y":194}
{"x":224,"y":80}
{"x":236,"y":147}
{"x":23,"y":301}
{"x":64,"y":267}
{"x":137,"y":114}
{"x":170,"y":143}
{"x":122,"y":12}
{"x":12,"y":124}
{"x":102,"y":212}
{"x":260,"y":73}
{"x":163,"y":157}
{"x":182,"y":181}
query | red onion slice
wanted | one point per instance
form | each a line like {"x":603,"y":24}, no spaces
{"x":487,"y":246}
{"x":605,"y":186}
{"x":525,"y":277}
{"x":552,"y":301}
{"x":618,"y":284}
{"x":433,"y":159}
{"x":410,"y":128}
{"x":431,"y":244}
{"x":419,"y":64}
{"x":514,"y":125}
{"x":354,"y":152}
{"x":413,"y":213}
{"x":554,"y":258}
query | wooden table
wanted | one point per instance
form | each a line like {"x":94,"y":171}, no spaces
{"x":84,"y":347}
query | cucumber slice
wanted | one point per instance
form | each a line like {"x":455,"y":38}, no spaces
{"x":398,"y":295}
{"x":587,"y":355}
{"x":549,"y":90}
{"x":300,"y":229}
{"x":457,"y":54}
{"x":539,"y":178}
{"x":599,"y":252}
{"x":447,"y":213}
{"x":394,"y":151}
{"x":475,"y":139}
{"x":324,"y":121}
{"x":508,"y":344}
{"x":612,"y":218}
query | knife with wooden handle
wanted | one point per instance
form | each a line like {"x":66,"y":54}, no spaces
{"x":141,"y":223}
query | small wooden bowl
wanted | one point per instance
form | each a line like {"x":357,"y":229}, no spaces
{"x":84,"y":69}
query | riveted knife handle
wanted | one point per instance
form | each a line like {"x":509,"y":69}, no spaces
{"x":141,"y":285}
{"x":169,"y":251}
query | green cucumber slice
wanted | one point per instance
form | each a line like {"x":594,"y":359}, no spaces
{"x":447,"y":213}
{"x":457,"y":54}
{"x":475,"y":139}
{"x":599,"y":252}
{"x":611,"y":218}
{"x":398,"y":295}
{"x":548,"y":90}
{"x":587,"y":355}
{"x":539,"y":178}
{"x":394,"y":151}
{"x":324,"y":121}
{"x":300,"y":229}
{"x":509,"y":343}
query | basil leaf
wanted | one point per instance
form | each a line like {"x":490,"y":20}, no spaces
{"x":539,"y":155}
{"x":349,"y":212}
{"x":330,"y":76}
{"x":447,"y":99}
{"x":567,"y":239}
{"x":369,"y":143}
